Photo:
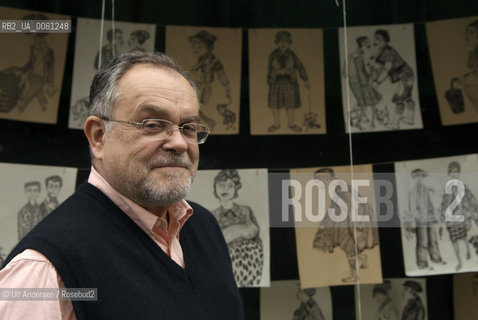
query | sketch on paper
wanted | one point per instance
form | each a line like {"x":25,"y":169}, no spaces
{"x":296,"y":303}
{"x":335,"y":250}
{"x":284,"y":69}
{"x":427,"y":200}
{"x":453,"y":46}
{"x":244,"y":223}
{"x":394,"y":299}
{"x":213,"y":59}
{"x":380,"y":74}
{"x":283,"y":66}
{"x":353,"y":241}
{"x":124,"y":37}
{"x":465,"y":296}
{"x":30,"y":194}
{"x":31,"y":75}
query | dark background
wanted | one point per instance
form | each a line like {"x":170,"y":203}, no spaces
{"x":41,"y":144}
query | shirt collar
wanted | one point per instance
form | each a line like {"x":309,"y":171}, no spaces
{"x":178,"y":213}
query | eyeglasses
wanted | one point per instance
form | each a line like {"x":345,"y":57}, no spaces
{"x":160,"y":129}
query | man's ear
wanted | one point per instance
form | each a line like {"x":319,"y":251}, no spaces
{"x":95,"y":130}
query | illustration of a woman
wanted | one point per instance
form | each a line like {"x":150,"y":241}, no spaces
{"x":308,"y":309}
{"x":400,"y":73}
{"x":468,"y":208}
{"x":352,"y":239}
{"x":38,"y":72}
{"x":137,"y":39}
{"x":471,"y":78}
{"x":360,"y":82}
{"x":240,"y":229}
{"x":205,"y":71}
{"x":414,"y":309}
{"x":282,"y":79}
{"x":387,"y":309}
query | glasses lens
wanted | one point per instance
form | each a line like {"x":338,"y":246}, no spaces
{"x":156,"y":126}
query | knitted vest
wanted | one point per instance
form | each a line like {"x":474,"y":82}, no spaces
{"x":93,"y":244}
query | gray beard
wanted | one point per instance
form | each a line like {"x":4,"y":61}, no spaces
{"x":169,"y":193}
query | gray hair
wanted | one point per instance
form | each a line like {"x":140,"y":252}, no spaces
{"x":104,"y":88}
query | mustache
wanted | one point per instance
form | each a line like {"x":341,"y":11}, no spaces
{"x":169,"y":160}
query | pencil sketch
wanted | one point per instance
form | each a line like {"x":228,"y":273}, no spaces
{"x":29,"y":194}
{"x":429,"y":203}
{"x":414,"y":309}
{"x":206,"y":69}
{"x":112,"y":48}
{"x":394,"y":299}
{"x":453,"y":46}
{"x":283,"y":67}
{"x":470,"y":79}
{"x":467,"y":82}
{"x":308,"y":308}
{"x":353,"y":241}
{"x":30,"y":214}
{"x":30,"y":77}
{"x":240,"y":228}
{"x":468,"y":208}
{"x":295,"y":302}
{"x":236,"y":199}
{"x":387,"y":308}
{"x":422,"y":211}
{"x":213,"y":57}
{"x":286,"y":81}
{"x":123,"y":37}
{"x":137,"y":39}
{"x":381,"y":77}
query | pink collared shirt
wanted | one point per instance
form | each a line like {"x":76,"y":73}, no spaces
{"x":31,"y":269}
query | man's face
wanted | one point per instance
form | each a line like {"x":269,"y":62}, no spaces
{"x":32,"y":192}
{"x":53,"y":188}
{"x":153,"y":173}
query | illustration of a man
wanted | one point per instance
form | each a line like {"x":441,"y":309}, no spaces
{"x":205,"y":71}
{"x":53,"y":186}
{"x":360,"y":82}
{"x":422,"y":214}
{"x":110,"y":50}
{"x":30,"y":214}
{"x":394,"y":67}
{"x":282,"y":79}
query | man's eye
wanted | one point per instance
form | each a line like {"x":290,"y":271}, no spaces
{"x":153,"y":125}
{"x":189,"y":129}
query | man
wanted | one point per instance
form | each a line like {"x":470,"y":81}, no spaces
{"x":422,"y":214}
{"x":119,"y":232}
{"x":111,"y":49}
{"x":30,"y":214}
{"x":53,"y":186}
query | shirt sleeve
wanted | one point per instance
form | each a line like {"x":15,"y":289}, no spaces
{"x":31,"y":269}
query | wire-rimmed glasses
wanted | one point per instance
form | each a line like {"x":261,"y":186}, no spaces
{"x":159,"y":129}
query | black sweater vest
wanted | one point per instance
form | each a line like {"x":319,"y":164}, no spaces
{"x":93,"y":244}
